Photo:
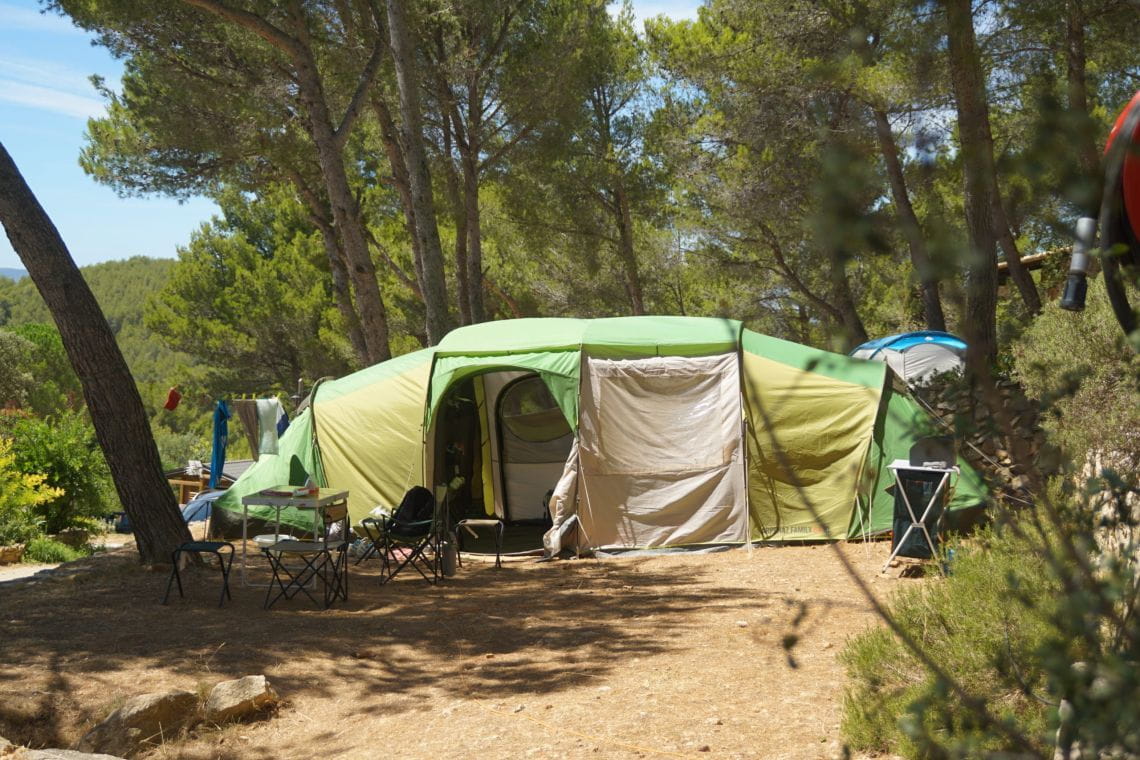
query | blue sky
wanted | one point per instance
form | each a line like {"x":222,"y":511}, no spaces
{"x":45,"y":100}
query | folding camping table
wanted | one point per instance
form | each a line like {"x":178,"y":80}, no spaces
{"x":897,"y":468}
{"x":280,"y":497}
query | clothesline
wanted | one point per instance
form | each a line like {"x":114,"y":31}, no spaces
{"x":263,"y":419}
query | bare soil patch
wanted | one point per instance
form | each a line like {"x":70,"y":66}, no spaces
{"x":678,"y":655}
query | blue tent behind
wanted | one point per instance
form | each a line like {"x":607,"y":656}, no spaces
{"x":915,"y":356}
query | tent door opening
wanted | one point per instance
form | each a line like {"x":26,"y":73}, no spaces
{"x":534,"y":442}
{"x":458,"y":452}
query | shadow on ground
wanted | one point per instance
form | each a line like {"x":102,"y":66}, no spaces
{"x":74,"y":645}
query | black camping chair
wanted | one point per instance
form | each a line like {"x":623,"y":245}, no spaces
{"x":414,"y":531}
{"x":223,"y":550}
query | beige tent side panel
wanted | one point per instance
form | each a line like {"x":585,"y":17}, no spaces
{"x":371,"y":440}
{"x":824,"y":428}
{"x":660,"y":452}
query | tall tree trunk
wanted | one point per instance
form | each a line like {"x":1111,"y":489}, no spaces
{"x":1076,"y":64}
{"x":329,"y":141}
{"x":474,"y":237}
{"x":854,"y":333}
{"x":395,"y":152}
{"x":626,"y":250}
{"x":980,"y":318}
{"x":971,"y":85}
{"x":419,"y":176}
{"x":346,"y":213}
{"x":458,"y":216}
{"x":471,"y":197}
{"x":112,"y":398}
{"x":338,"y":270}
{"x":908,"y":220}
{"x":340,"y":279}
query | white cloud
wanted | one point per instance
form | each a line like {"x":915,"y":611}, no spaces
{"x":48,"y":86}
{"x":49,"y":99}
{"x":45,"y":73}
{"x":19,"y":17}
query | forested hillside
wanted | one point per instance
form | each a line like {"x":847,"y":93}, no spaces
{"x":122,"y":289}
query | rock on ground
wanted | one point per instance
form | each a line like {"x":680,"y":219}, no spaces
{"x":145,"y":718}
{"x":9,"y":751}
{"x":233,"y":700}
{"x":65,"y":754}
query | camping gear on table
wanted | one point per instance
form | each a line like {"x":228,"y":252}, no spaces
{"x":658,"y":432}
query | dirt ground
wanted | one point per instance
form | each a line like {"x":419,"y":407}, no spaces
{"x":677,"y":655}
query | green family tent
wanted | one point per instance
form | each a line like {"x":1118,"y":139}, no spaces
{"x":651,"y":431}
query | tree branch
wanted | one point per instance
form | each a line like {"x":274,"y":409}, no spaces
{"x":367,"y":76}
{"x":492,"y":159}
{"x":252,"y":22}
{"x":793,"y":279}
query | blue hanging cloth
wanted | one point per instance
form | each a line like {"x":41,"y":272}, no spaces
{"x":221,"y":437}
{"x":282,"y":422}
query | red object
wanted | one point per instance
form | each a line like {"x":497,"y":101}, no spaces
{"x":1130,"y":176}
{"x":172,"y":399}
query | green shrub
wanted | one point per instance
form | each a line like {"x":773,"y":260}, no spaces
{"x":20,"y":494}
{"x":1081,"y":367}
{"x":63,"y":448}
{"x":56,"y":388}
{"x":986,"y":625}
{"x":48,"y":551}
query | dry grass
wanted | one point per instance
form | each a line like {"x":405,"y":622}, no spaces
{"x":633,"y":657}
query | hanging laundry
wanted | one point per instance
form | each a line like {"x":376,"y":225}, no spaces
{"x":282,"y":421}
{"x":268,"y":410}
{"x":221,"y":438}
{"x":172,"y":399}
{"x":246,"y":411}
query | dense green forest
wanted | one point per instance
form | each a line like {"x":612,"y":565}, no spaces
{"x":827,"y":171}
{"x":800,"y":166}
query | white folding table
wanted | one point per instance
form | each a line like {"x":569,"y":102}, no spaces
{"x":280,"y":497}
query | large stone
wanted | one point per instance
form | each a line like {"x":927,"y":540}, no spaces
{"x":8,"y":750}
{"x":145,"y":719}
{"x":235,"y":700}
{"x":65,"y":754}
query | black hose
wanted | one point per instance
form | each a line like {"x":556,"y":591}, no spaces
{"x":1116,"y":243}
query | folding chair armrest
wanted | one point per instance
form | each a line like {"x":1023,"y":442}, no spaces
{"x":373,"y":527}
{"x":408,"y":529}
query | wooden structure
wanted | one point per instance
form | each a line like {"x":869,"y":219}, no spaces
{"x":188,"y":485}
